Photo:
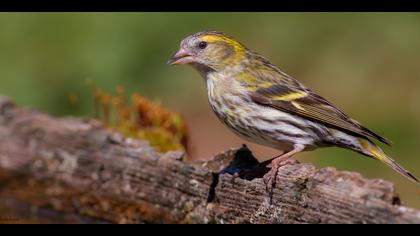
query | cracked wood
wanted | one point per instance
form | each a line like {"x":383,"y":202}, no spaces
{"x":76,"y":167}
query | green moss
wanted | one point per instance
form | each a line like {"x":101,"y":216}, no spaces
{"x":161,"y":138}
{"x":142,"y":119}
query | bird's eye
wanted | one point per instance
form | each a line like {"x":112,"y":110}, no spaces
{"x":202,"y":45}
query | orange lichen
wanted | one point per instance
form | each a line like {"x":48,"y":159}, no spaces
{"x":141,"y":118}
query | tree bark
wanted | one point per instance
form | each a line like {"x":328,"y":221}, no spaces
{"x":75,"y":170}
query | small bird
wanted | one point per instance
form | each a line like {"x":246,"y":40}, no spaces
{"x":264,"y":105}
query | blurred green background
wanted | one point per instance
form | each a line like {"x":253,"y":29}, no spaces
{"x":366,"y":63}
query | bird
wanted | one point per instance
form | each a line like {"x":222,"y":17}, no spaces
{"x":262,"y":104}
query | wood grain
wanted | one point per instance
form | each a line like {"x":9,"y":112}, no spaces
{"x":75,"y":167}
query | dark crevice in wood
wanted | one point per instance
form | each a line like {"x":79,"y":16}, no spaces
{"x":80,"y":172}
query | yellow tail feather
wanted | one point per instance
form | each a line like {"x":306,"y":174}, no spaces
{"x":374,"y":151}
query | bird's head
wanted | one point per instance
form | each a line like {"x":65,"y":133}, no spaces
{"x":209,"y":51}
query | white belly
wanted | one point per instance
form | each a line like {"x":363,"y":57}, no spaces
{"x":260,"y":124}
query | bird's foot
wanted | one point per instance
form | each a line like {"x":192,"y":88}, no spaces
{"x":270,"y":178}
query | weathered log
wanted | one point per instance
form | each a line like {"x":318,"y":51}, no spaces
{"x":57,"y":167}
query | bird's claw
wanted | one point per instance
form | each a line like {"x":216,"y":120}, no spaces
{"x":270,"y":182}
{"x":270,"y":178}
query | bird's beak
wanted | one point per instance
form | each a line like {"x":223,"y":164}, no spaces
{"x":181,"y":57}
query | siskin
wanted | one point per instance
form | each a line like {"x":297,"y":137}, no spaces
{"x":264,"y":105}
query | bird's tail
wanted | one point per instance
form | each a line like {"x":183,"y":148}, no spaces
{"x":370,"y":149}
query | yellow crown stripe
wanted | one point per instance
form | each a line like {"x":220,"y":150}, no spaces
{"x":213,"y":38}
{"x":239,"y":49}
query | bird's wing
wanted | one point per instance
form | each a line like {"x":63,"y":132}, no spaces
{"x":299,"y":100}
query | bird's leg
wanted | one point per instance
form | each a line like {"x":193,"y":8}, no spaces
{"x":267,"y":162}
{"x":277,"y":162}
